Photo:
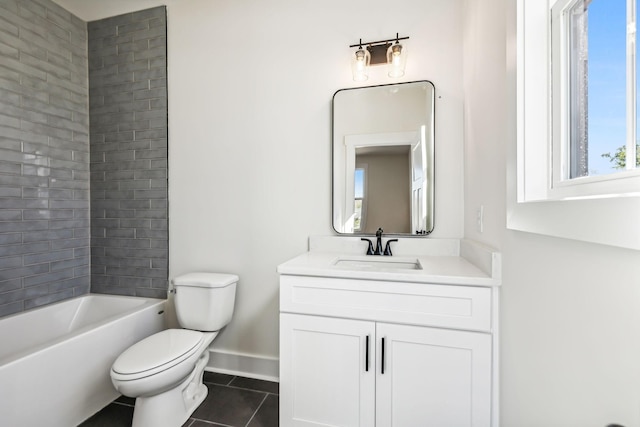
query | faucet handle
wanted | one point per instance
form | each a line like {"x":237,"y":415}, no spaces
{"x":387,"y":249}
{"x":370,"y":248}
{"x":379,"y":232}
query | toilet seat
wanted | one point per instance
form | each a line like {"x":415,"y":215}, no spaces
{"x":157,"y":353}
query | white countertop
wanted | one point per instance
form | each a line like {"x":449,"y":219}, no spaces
{"x":461,"y":262}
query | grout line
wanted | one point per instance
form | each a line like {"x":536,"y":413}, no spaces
{"x":220,"y":383}
{"x":240,"y":388}
{"x":247,"y":389}
{"x":257,"y":409}
{"x":213,"y":423}
{"x":123,"y":404}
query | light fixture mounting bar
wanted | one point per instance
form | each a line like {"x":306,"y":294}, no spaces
{"x":378,"y":42}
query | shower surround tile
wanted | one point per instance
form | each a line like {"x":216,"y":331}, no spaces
{"x":44,"y":146}
{"x":68,"y":142}
{"x":128,"y":120}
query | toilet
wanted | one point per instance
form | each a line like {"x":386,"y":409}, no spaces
{"x":164,"y":371}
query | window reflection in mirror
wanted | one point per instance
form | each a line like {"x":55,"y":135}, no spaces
{"x":383,"y":156}
{"x":360,"y":203}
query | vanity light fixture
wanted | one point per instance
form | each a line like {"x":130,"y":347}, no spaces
{"x":360,"y":63}
{"x":376,"y":53}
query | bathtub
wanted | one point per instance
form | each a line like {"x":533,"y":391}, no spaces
{"x":55,"y":360}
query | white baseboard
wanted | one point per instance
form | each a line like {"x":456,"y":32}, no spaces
{"x":245,"y":365}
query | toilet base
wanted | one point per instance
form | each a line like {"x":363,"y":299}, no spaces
{"x":173,"y":407}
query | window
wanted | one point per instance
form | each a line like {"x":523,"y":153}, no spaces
{"x":559,"y":183}
{"x":358,"y":205}
{"x":594,"y":114}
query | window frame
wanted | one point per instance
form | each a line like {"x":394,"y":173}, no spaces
{"x":602,"y":209}
{"x":562,"y":186}
{"x":363,"y":200}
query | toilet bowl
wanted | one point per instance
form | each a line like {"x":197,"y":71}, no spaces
{"x":159,"y":362}
{"x":164,"y":371}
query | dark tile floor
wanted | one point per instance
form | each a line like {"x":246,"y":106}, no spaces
{"x":232,"y":401}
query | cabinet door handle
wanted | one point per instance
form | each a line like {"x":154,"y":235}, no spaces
{"x":366,"y":357}
{"x":382,"y":362}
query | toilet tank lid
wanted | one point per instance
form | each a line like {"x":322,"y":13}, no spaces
{"x":205,"y":280}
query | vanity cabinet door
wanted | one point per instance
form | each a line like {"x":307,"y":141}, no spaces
{"x":324,"y":377}
{"x":433,"y":377}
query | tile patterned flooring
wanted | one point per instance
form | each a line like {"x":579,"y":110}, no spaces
{"x":232,"y":402}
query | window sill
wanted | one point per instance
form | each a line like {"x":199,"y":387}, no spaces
{"x":609,"y":221}
{"x":621,"y":184}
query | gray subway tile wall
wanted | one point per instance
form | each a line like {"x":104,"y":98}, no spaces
{"x":128,"y":121}
{"x":44,"y":155}
{"x":83,"y":161}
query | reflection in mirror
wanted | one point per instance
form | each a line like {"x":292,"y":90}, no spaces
{"x":383,"y":159}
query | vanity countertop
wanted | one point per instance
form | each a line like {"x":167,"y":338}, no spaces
{"x":447,"y":261}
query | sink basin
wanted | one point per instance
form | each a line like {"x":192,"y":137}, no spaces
{"x":378,"y":263}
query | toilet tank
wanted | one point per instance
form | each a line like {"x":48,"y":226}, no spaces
{"x":204,"y":301}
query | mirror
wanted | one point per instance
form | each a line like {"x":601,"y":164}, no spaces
{"x":383,"y":159}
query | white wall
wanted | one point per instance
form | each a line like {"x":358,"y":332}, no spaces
{"x":570,"y":311}
{"x":250,"y":84}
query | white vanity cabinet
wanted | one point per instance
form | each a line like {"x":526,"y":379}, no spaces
{"x":433,"y":377}
{"x":324,"y":379}
{"x":382,"y":353}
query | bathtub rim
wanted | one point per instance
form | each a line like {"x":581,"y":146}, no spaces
{"x":148,"y":304}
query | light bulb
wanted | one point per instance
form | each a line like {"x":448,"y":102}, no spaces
{"x":360,"y":65}
{"x":396,"y":58}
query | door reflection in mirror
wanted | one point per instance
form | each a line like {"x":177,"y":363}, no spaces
{"x":388,"y":180}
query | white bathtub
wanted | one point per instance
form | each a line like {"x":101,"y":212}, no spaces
{"x":55,"y":360}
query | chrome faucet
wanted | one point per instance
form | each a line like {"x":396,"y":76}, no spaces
{"x":378,"y":250}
